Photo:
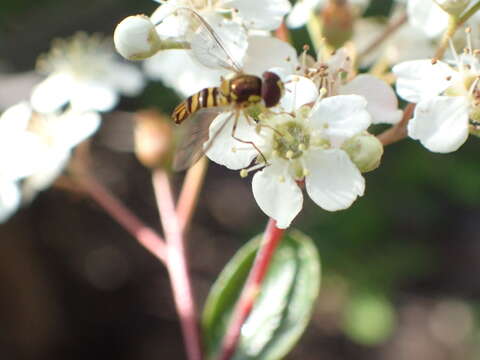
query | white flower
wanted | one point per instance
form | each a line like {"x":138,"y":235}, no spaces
{"x":299,"y":144}
{"x":84,"y":72}
{"x":40,"y":144}
{"x":303,"y":9}
{"x":447,"y":96}
{"x":335,"y":74}
{"x":59,"y":133}
{"x":20,"y":153}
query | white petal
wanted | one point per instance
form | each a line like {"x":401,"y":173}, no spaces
{"x":381,"y":99}
{"x":266,"y":15}
{"x":126,"y":78}
{"x":9,"y":199}
{"x":334,"y":182}
{"x":169,"y":24}
{"x":427,"y":16}
{"x":15,"y":119}
{"x":298,"y":91}
{"x":441,"y":123}
{"x":179,"y":71}
{"x":340,"y":117}
{"x":277,"y":195}
{"x":420,"y":79}
{"x":340,"y":61}
{"x":24,"y":153}
{"x":227,"y":151}
{"x":52,"y":93}
{"x":72,"y":128}
{"x":51,"y":167}
{"x":94,"y":96}
{"x":301,"y":12}
{"x":265,"y":52}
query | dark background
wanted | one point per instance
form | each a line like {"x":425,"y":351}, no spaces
{"x":401,"y":267}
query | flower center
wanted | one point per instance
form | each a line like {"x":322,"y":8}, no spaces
{"x":290,"y":140}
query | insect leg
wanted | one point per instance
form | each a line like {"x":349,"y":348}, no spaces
{"x":234,"y":130}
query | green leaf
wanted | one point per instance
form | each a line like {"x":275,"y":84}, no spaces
{"x":282,"y":310}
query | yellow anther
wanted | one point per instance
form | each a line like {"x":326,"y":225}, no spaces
{"x":289,"y":154}
{"x":302,"y":147}
{"x":243,"y":173}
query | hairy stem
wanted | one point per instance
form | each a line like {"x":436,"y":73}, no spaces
{"x":177,"y":265}
{"x":252,"y":288}
{"x":144,"y":234}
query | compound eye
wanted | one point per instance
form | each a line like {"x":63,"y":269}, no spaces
{"x":272,"y":89}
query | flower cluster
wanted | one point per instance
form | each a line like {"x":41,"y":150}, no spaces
{"x":84,"y":77}
{"x":447,"y":95}
{"x":316,"y":136}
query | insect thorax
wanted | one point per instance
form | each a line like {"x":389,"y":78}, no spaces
{"x":242,"y":90}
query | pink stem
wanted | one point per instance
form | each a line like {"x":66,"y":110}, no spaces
{"x":188,"y":198}
{"x":145,"y":235}
{"x":252,"y":288}
{"x":177,"y":265}
{"x":283,"y":33}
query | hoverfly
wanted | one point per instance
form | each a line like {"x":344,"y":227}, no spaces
{"x":239,"y":93}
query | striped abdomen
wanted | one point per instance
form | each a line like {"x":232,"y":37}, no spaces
{"x":206,"y":98}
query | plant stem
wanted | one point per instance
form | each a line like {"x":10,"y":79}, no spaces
{"x":145,"y":235}
{"x":464,"y":18}
{"x":390,"y":30}
{"x":283,"y":33}
{"x":252,"y":288}
{"x":177,"y":265}
{"x":451,"y":30}
{"x":314,"y":28}
{"x":453,"y":25}
{"x":190,"y":191}
{"x":399,"y":131}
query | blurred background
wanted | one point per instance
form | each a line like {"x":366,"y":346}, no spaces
{"x":400,"y":268}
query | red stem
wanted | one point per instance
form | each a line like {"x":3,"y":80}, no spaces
{"x":145,"y":235}
{"x":252,"y":288}
{"x":177,"y":265}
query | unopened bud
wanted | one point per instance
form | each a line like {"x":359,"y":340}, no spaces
{"x":135,"y":38}
{"x":154,"y":140}
{"x":365,"y":150}
{"x":453,"y":7}
{"x":338,"y":19}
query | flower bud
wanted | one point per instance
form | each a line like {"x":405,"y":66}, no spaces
{"x":338,"y":19}
{"x":365,"y":150}
{"x":135,"y":38}
{"x":453,"y":7}
{"x":154,"y":140}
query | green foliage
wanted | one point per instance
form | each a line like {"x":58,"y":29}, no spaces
{"x":369,"y":319}
{"x":283,"y":308}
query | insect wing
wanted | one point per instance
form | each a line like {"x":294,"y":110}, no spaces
{"x":215,"y":41}
{"x":195,"y":138}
